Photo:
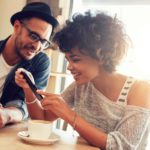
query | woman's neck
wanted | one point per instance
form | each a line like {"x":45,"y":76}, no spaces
{"x":109,"y":84}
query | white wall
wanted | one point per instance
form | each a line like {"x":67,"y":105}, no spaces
{"x":7,"y":9}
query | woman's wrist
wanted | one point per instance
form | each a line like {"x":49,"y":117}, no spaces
{"x":74,"y":121}
{"x":71,"y":118}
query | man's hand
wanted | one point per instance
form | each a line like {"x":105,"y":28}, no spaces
{"x":4,"y":117}
{"x":9,"y":115}
{"x":19,"y":79}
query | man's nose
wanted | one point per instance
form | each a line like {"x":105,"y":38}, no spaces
{"x":37,"y":45}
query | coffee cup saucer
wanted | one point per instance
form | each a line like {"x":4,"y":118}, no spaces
{"x":25,"y":136}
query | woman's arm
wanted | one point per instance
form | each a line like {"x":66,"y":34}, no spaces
{"x":59,"y":107}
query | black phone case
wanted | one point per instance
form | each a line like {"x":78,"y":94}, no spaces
{"x":32,"y":86}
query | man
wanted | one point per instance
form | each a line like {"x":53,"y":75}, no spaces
{"x":32,"y":28}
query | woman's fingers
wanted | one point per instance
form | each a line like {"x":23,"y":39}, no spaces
{"x":44,"y":93}
{"x":48,"y":95}
{"x":53,"y":102}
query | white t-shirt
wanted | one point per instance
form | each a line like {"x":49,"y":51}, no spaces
{"x":4,"y":71}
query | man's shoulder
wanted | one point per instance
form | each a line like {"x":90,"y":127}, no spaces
{"x":40,"y":60}
{"x":1,"y":43}
{"x":41,"y":57}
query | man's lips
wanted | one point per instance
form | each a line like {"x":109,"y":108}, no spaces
{"x":30,"y":51}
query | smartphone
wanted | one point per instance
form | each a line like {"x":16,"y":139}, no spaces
{"x":32,"y":86}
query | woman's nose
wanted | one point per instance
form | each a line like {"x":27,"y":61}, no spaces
{"x":69,"y":67}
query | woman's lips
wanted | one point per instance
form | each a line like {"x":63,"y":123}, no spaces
{"x":76,"y":75}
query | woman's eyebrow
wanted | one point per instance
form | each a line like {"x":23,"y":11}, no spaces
{"x":73,"y":55}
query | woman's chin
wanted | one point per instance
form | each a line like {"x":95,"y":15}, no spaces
{"x":79,"y":82}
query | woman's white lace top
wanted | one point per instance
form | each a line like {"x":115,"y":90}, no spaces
{"x":127,"y":126}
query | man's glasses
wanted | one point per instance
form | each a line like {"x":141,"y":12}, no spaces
{"x":35,"y":37}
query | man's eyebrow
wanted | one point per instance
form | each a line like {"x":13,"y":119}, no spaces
{"x":34,"y":32}
{"x":30,"y":29}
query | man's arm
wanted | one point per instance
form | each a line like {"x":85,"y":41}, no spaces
{"x":15,"y":110}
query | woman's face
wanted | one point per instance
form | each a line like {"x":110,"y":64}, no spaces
{"x":83,"y":68}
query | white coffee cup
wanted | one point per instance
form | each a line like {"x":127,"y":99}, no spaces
{"x":39,"y":129}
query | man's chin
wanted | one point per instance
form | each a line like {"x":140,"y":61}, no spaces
{"x":28,"y":58}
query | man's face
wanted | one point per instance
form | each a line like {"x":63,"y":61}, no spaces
{"x":31,"y":37}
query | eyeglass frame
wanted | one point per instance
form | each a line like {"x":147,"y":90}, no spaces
{"x":44,"y":46}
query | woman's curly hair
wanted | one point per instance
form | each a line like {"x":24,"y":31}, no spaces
{"x":99,"y":36}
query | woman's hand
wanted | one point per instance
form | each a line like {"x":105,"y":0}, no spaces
{"x":56,"y":104}
{"x":20,"y":81}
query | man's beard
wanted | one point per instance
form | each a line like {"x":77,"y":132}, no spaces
{"x":17,"y":47}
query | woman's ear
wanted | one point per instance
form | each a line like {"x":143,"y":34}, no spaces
{"x":99,"y":56}
{"x":101,"y":62}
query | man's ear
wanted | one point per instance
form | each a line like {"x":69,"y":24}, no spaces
{"x":17,"y":26}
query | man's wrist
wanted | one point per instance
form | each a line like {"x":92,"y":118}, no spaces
{"x":13,"y":115}
{"x":5,"y":118}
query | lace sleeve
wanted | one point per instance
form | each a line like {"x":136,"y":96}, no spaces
{"x":130,"y":131}
{"x":68,"y":94}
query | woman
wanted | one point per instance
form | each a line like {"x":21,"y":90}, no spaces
{"x":110,"y":110}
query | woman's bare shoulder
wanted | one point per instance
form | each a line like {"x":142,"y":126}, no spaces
{"x":139,"y":94}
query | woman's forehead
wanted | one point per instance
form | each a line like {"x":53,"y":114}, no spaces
{"x":74,"y":52}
